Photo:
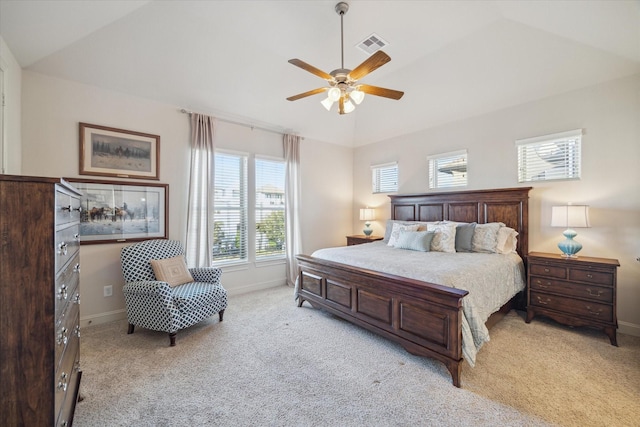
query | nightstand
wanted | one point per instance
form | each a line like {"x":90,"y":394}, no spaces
{"x":573,"y":291}
{"x":358,"y":239}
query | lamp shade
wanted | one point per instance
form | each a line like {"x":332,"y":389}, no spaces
{"x":367,"y":214}
{"x":570,"y":216}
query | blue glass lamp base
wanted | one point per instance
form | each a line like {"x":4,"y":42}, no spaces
{"x":368,"y":230}
{"x":569,"y":247}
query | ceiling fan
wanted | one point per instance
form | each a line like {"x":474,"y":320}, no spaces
{"x":343,"y":83}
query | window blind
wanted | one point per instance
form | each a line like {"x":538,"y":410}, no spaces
{"x":448,"y":169}
{"x":230,"y":208}
{"x":556,"y":156}
{"x":384,"y":178}
{"x":269,"y":208}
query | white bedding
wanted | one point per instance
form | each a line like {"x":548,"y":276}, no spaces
{"x":490,"y":279}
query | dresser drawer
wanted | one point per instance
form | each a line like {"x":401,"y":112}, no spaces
{"x":590,"y":276}
{"x":67,"y":244}
{"x":67,"y":330}
{"x":66,"y":287}
{"x":67,"y":208}
{"x":591,"y":310}
{"x":596,"y":293}
{"x":65,"y":378}
{"x":547,"y":271}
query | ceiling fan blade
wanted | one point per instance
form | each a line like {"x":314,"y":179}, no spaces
{"x":311,"y":69}
{"x":309,"y":93}
{"x":380,"y":91}
{"x":370,"y":64}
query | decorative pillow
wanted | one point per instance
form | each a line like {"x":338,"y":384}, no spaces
{"x":464,"y":235}
{"x":507,"y":241}
{"x":395,"y":231}
{"x":414,"y":240}
{"x":445,"y":238}
{"x":485,"y":237}
{"x":422,"y":226}
{"x":174,"y":270}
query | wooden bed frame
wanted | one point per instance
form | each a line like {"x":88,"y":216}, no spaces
{"x":425,"y":318}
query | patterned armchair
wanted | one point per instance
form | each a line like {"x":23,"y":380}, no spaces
{"x":155,"y":305}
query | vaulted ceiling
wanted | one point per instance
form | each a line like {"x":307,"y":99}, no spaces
{"x":453,"y":59}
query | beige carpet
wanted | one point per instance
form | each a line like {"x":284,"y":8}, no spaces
{"x":271,"y":363}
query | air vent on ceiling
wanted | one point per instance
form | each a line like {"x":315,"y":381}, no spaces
{"x":372,"y":44}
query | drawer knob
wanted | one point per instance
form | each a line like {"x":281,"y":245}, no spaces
{"x":62,"y":337}
{"x":66,"y":208}
{"x":62,"y":384}
{"x":62,"y":248}
{"x":597,"y":294}
{"x":541,"y":284}
{"x":595,"y":313}
{"x":62,"y":292}
{"x":544,"y":302}
{"x":590,"y":276}
{"x":76,"y":268}
{"x":546,"y":270}
{"x":76,"y":331}
{"x":76,"y":298}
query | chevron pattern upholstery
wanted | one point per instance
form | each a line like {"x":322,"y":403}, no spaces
{"x":155,"y":305}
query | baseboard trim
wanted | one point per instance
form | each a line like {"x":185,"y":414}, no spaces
{"x":98,"y":319}
{"x":629,"y":328}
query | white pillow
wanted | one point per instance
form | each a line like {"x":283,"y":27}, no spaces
{"x":395,"y":231}
{"x":444,"y":239}
{"x":507,"y":240}
{"x":485,"y":237}
{"x":422,"y":226}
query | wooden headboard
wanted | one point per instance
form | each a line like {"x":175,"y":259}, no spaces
{"x":507,"y":205}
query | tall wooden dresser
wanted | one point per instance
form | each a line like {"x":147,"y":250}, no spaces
{"x":39,"y":301}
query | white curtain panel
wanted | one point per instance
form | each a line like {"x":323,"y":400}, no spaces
{"x":199,"y":238}
{"x":293,"y":243}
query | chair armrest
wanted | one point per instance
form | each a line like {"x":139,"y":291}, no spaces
{"x":147,"y":287}
{"x":206,"y":274}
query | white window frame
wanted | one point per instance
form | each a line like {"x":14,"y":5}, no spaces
{"x":457,"y":178}
{"x":567,"y":153}
{"x":384,"y":178}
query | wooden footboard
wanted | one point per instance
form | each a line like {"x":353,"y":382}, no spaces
{"x":425,"y":318}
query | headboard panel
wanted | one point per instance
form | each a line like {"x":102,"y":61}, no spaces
{"x":507,"y":205}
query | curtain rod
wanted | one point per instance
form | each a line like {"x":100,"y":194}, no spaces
{"x":240,"y":124}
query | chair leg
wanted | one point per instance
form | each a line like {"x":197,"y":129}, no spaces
{"x":221,"y":314}
{"x":172,"y":339}
{"x":130,"y":330}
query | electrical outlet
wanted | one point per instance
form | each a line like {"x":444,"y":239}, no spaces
{"x":108,"y":291}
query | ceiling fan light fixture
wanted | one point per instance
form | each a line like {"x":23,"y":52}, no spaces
{"x":334,"y":94}
{"x":357,"y":96}
{"x":348,"y":106}
{"x":327,"y":103}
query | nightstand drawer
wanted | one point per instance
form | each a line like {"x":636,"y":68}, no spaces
{"x":597,"y":277}
{"x":591,"y":310}
{"x":548,"y":271}
{"x":594,"y":293}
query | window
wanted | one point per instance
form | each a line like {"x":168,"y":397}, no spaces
{"x":230,"y":208}
{"x":448,"y":169}
{"x":385,"y":178}
{"x":269,"y":208}
{"x":549,"y":157}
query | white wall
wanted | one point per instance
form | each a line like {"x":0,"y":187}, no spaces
{"x":11,"y":152}
{"x":610,"y":116}
{"x":52,"y":109}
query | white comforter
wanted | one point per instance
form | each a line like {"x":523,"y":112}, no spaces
{"x":490,"y":279}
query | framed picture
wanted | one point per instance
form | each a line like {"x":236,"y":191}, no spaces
{"x":119,"y":153}
{"x":114,"y":211}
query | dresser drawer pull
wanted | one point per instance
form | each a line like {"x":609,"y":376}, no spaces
{"x":595,"y":313}
{"x":76,"y":268}
{"x":62,"y":384}
{"x":66,"y":208}
{"x":589,"y":276}
{"x":62,"y":337}
{"x":76,"y":331}
{"x":545,"y":302}
{"x":62,"y":248}
{"x":76,"y":298}
{"x":62,"y":292}
{"x":597,"y":294}
{"x":546,"y":270}
{"x":76,"y":237}
{"x":542,"y":284}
